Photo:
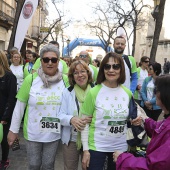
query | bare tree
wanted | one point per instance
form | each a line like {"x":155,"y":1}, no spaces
{"x":118,"y":13}
{"x":104,"y":26}
{"x":158,"y":26}
{"x":130,"y":14}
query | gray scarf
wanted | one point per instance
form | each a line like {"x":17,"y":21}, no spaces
{"x":47,"y":80}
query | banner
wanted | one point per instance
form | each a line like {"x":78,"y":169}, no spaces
{"x":26,"y":14}
{"x":84,"y":42}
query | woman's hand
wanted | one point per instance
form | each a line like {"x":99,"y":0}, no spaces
{"x":88,"y":119}
{"x":148,"y":105}
{"x":85,"y":160}
{"x":12,"y":137}
{"x":137,"y":121}
{"x":116,"y":154}
{"x":78,"y":123}
{"x":3,"y":122}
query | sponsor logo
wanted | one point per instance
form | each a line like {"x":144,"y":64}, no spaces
{"x":27,"y":10}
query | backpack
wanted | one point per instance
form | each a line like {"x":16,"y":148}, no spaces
{"x":126,"y":58}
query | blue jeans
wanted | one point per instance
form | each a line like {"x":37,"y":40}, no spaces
{"x":97,"y":160}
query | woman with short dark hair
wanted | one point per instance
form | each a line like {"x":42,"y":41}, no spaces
{"x":108,"y":104}
{"x":158,"y":150}
{"x":148,"y":97}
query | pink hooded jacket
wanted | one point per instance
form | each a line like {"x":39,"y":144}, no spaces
{"x":158,"y":151}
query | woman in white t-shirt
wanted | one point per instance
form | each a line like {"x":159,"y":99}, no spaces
{"x":17,"y":68}
{"x":108,"y":104}
{"x":40,"y":95}
{"x":147,"y":92}
{"x":142,"y":74}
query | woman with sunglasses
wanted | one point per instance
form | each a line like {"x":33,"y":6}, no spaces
{"x":142,"y":74}
{"x":8,"y":89}
{"x":158,"y":150}
{"x":107,"y":103}
{"x":80,"y":80}
{"x":148,"y":97}
{"x":41,"y":95}
{"x":17,"y":68}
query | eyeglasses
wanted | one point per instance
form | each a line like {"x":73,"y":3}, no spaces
{"x":83,"y":55}
{"x":81,"y":72}
{"x":146,"y":61}
{"x":15,"y":57}
{"x":53,"y":60}
{"x":114,"y":66}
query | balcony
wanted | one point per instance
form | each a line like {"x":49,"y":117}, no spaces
{"x":7,"y":14}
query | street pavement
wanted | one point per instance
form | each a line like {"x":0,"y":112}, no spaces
{"x":18,"y":159}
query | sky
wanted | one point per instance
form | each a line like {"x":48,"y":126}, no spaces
{"x":76,"y":9}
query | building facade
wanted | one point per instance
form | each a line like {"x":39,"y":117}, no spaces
{"x":33,"y":35}
{"x":145,"y":36}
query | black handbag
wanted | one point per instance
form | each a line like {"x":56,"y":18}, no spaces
{"x":135,"y":134}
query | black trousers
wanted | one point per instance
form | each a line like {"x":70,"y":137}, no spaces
{"x":154,"y":114}
{"x":4,"y":143}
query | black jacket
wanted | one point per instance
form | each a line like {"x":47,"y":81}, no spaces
{"x":8,"y":89}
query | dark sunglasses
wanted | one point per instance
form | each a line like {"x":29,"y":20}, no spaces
{"x":46,"y":60}
{"x":83,"y":56}
{"x":146,"y":61}
{"x":114,"y":66}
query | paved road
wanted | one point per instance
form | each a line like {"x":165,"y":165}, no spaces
{"x":18,"y":159}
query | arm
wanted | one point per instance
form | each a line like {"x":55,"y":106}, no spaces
{"x":86,"y":154}
{"x":134,"y":80}
{"x":157,"y":156}
{"x":63,"y":113}
{"x":134,"y":76}
{"x":143,"y":91}
{"x":16,"y":121}
{"x":17,"y":116}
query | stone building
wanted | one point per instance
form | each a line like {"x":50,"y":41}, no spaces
{"x":145,"y":35}
{"x":7,"y":14}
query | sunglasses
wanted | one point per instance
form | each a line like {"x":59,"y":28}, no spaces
{"x":53,"y":60}
{"x":146,"y":61}
{"x":83,"y":56}
{"x":114,"y":66}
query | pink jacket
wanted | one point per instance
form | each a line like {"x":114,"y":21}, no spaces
{"x":158,"y":151}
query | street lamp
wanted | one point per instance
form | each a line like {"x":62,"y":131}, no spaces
{"x":68,"y":42}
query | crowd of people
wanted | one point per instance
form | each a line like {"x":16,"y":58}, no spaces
{"x":85,"y":104}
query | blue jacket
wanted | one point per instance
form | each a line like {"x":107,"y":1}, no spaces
{"x":144,"y":94}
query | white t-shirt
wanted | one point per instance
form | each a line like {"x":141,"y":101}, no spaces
{"x":42,"y":102}
{"x":18,"y":72}
{"x":108,"y":129}
{"x":149,"y":89}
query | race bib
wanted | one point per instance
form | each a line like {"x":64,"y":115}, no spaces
{"x":50,"y":124}
{"x":115,"y":128}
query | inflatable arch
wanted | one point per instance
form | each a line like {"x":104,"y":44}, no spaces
{"x":84,"y":42}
